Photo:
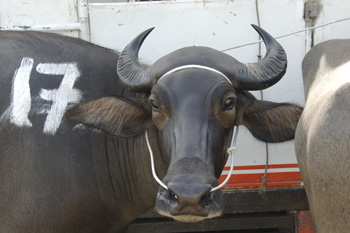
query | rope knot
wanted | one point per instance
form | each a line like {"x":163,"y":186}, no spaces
{"x":231,"y":150}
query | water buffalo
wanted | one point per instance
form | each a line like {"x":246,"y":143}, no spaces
{"x":72,"y":130}
{"x":323,"y":135}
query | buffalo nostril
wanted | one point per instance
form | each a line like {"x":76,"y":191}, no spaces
{"x":206,"y":200}
{"x":172,"y":196}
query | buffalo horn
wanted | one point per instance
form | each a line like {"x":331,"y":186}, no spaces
{"x":266,"y":72}
{"x":252,"y":76}
{"x":134,"y":75}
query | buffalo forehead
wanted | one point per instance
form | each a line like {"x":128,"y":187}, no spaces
{"x":192,"y":82}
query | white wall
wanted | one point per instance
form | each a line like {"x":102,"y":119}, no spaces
{"x":16,"y":13}
{"x":333,"y":10}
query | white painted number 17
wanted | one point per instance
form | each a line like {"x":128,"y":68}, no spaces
{"x":59,"y":98}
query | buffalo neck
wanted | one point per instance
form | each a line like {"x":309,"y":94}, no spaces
{"x":127,"y":170}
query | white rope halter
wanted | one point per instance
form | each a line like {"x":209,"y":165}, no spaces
{"x":192,"y":66}
{"x":231,"y":150}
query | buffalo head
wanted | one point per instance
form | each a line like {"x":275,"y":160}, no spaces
{"x":194,"y":97}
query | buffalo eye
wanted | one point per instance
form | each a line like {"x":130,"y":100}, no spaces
{"x":229,"y":103}
{"x":154,"y":104}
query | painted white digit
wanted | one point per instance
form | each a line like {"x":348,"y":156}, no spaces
{"x":62,"y":96}
{"x":21,"y":99}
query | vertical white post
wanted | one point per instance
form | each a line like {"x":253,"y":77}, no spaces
{"x":83,"y":18}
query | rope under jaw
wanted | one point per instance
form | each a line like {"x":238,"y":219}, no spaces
{"x":231,"y":150}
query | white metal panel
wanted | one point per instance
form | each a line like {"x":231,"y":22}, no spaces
{"x":216,"y":24}
{"x":29,"y":13}
{"x":280,"y":18}
{"x":331,"y":10}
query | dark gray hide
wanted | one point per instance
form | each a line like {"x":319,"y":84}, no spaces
{"x":323,"y":135}
{"x":75,"y":180}
{"x":59,"y":176}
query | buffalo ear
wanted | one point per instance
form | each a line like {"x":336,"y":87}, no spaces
{"x":272,"y":122}
{"x":125,"y":117}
